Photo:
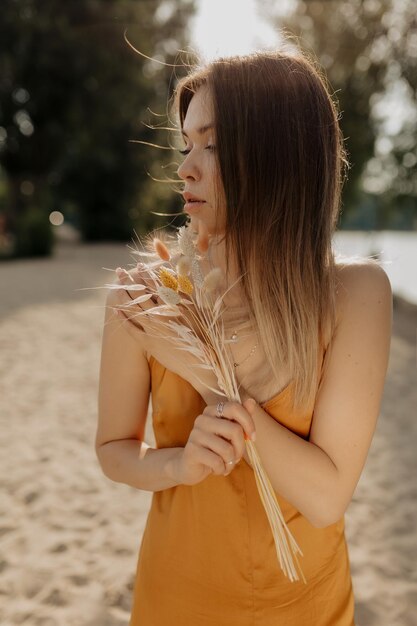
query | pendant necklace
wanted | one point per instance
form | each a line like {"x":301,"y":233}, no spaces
{"x":234,"y":336}
{"x":235,"y":340}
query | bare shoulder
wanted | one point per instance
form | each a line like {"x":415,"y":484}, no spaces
{"x":362,"y":286}
{"x":362,"y":274}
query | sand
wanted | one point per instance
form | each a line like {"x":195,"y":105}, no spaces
{"x":69,"y":537}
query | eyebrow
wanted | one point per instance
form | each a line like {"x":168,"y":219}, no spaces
{"x":201,"y":130}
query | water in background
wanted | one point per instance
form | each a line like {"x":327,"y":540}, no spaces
{"x":396,"y":249}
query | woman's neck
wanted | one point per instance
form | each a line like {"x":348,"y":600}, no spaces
{"x":216,"y":257}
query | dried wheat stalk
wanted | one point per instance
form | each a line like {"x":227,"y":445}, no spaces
{"x":195,"y":314}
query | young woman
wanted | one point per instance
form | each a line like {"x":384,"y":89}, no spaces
{"x":264,"y":157}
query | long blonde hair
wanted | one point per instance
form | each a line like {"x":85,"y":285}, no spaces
{"x":282,"y":163}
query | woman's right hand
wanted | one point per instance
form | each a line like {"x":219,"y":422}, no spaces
{"x":213,"y":442}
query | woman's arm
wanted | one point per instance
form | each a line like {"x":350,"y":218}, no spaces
{"x":319,"y":476}
{"x":124,"y":388}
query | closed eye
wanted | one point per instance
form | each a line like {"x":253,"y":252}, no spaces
{"x":187,"y":150}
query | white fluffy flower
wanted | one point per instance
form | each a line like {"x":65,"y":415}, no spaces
{"x":213,"y":279}
{"x":184,"y":265}
{"x":169,"y":296}
{"x":185,"y":242}
{"x":196,"y":273}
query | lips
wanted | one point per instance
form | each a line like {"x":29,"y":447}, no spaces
{"x":190,"y":197}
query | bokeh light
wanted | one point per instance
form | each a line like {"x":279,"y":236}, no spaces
{"x":56,"y":218}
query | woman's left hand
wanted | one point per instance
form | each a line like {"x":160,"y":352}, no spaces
{"x":157,"y":341}
{"x":206,"y":433}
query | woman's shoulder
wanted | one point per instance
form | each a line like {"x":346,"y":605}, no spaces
{"x":356,"y":276}
{"x":361,"y":283}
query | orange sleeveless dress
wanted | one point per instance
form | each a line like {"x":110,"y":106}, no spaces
{"x":207,"y":555}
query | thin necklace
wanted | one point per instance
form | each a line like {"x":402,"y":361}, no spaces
{"x":235,"y":338}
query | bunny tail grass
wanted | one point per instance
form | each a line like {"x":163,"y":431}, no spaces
{"x":194,"y":322}
{"x":285,"y":544}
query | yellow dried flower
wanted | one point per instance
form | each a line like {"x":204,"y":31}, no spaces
{"x":185,"y":285}
{"x":168,"y":279}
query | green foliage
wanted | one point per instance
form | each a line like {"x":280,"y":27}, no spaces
{"x":367,"y":49}
{"x":34,"y":235}
{"x":74,"y":94}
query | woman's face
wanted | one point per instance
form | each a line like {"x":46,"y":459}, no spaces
{"x":199,"y":169}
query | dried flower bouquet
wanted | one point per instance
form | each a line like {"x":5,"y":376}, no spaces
{"x":192,"y":308}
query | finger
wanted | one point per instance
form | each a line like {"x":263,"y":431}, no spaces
{"x":123,"y":305}
{"x":134,"y":278}
{"x":122,"y":297}
{"x":124,"y":276}
{"x":124,"y":279}
{"x":133,"y":324}
{"x":142,"y":276}
{"x":209,"y":458}
{"x":136,"y":275}
{"x":221,"y":446}
{"x":251,"y":405}
{"x":237,"y":412}
{"x":227,"y":430}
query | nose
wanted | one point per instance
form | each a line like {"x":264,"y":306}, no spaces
{"x":188,"y":169}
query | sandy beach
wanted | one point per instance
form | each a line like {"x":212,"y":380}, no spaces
{"x":69,"y":537}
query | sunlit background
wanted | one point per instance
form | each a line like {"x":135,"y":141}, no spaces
{"x":214,"y":30}
{"x":84,"y":160}
{"x":68,"y":161}
{"x":393,"y":109}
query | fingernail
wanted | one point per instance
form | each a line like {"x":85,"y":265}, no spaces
{"x":253,"y":436}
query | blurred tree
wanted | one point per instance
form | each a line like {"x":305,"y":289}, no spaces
{"x":72,"y":96}
{"x":368,"y":49}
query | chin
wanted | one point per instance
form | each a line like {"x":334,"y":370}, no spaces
{"x":212,"y":228}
